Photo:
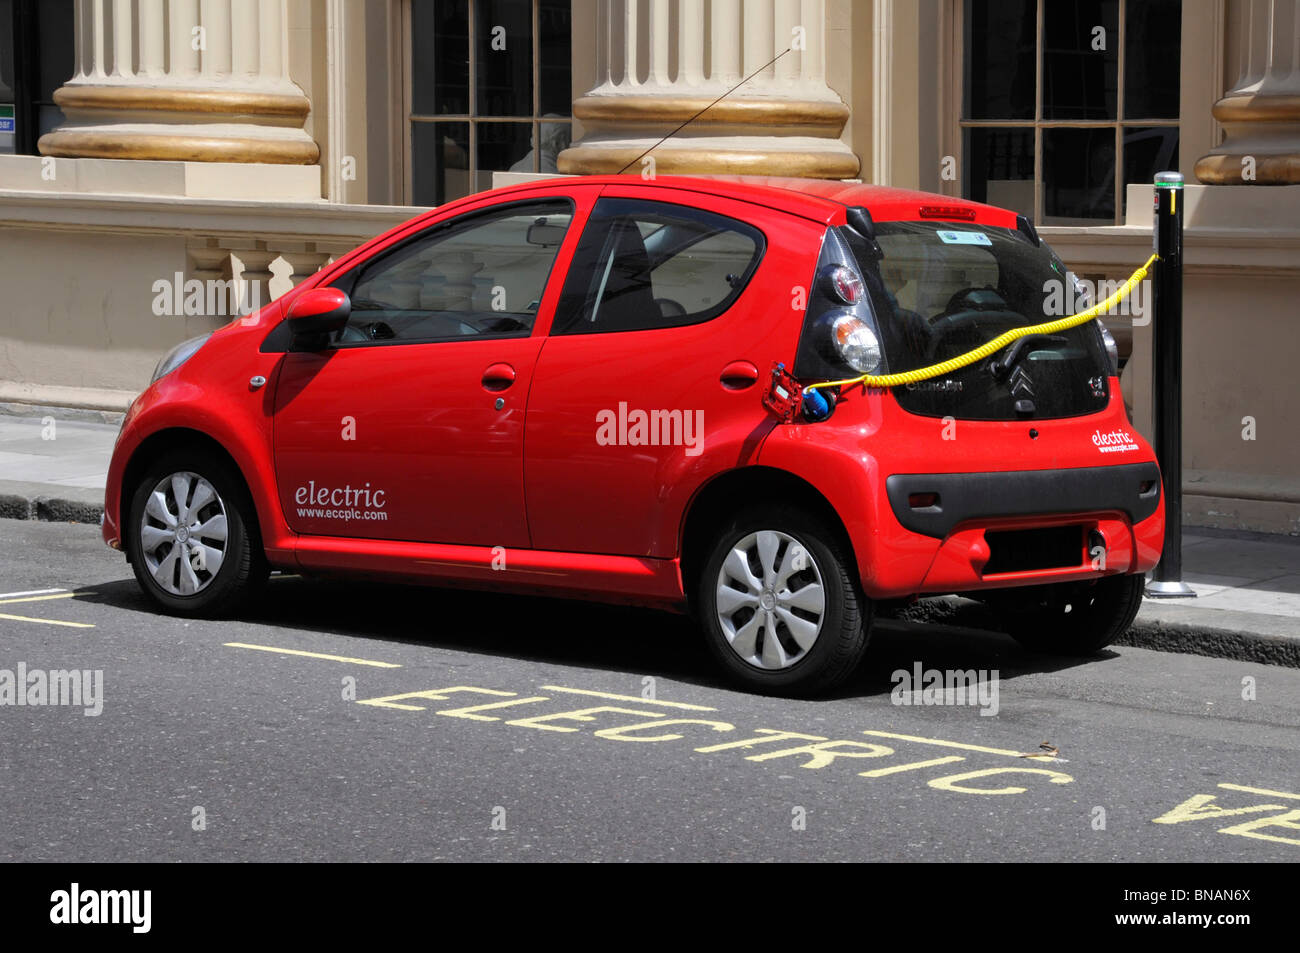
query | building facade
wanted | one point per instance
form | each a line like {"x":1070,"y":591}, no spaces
{"x":240,"y":144}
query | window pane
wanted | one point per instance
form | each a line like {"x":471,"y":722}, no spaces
{"x":48,"y":118}
{"x":7,"y":116}
{"x":1078,"y":176}
{"x":504,"y":37}
{"x":555,"y":30}
{"x":999,"y":167}
{"x":944,"y":289}
{"x":440,"y":57}
{"x":1148,"y":151}
{"x":1080,"y":59}
{"x":482,"y":278}
{"x":503,"y":147}
{"x":1152,"y":32}
{"x":647,"y":265}
{"x":6,"y":52}
{"x":1000,"y":54}
{"x":439,"y":162}
{"x":55,"y":37}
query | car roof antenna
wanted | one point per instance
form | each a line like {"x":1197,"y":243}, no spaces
{"x":692,"y":119}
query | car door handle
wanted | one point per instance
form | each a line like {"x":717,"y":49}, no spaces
{"x":498,"y":377}
{"x":738,"y":375}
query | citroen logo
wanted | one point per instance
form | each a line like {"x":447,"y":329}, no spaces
{"x":1020,"y":384}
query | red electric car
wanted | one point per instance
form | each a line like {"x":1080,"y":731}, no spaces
{"x":588,"y":387}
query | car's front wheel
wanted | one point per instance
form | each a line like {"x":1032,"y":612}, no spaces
{"x":780,"y":605}
{"x":1077,"y":619}
{"x":192,"y":536}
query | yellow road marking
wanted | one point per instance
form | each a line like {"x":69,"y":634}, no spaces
{"x":1263,"y":791}
{"x":950,"y":783}
{"x":27,"y":618}
{"x":943,"y":744}
{"x":490,"y":706}
{"x":29,"y":592}
{"x":433,"y":694}
{"x":578,"y":714}
{"x":915,"y":765}
{"x":319,"y":655}
{"x":627,"y":698}
{"x":63,"y":595}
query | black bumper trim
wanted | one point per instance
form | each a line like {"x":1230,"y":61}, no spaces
{"x":974,"y":496}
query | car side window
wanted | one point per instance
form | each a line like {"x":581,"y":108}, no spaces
{"x":644,"y":265}
{"x":481,"y":276}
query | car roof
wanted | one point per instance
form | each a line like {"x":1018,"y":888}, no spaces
{"x":822,"y":200}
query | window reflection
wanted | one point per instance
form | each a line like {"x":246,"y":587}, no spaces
{"x":491,"y":91}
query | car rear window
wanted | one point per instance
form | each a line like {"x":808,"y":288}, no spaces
{"x":941,"y":289}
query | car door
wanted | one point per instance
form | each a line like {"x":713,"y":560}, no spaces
{"x":651,"y":377}
{"x":410,"y":425}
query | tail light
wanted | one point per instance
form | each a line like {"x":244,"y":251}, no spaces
{"x":840,"y":336}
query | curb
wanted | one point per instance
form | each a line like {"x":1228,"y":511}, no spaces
{"x":1191,"y":638}
{"x":93,"y":415}
{"x":29,"y":501}
{"x":1239,"y":636}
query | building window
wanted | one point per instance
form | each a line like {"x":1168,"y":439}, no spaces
{"x":36,"y":58}
{"x":490,"y":91}
{"x":1064,"y":102}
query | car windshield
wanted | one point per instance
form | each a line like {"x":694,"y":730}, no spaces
{"x":941,"y":289}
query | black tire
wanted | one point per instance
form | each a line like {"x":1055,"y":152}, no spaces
{"x":1073,"y":619}
{"x":845,"y":620}
{"x":243,"y":569}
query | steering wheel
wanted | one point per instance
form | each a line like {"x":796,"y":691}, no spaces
{"x":970,"y":306}
{"x":986,"y":298}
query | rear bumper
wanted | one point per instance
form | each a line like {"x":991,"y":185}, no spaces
{"x":1018,"y":528}
{"x":1133,"y":490}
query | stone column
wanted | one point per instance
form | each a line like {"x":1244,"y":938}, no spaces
{"x":197,"y":80}
{"x":1261,"y":113}
{"x":783,"y":121}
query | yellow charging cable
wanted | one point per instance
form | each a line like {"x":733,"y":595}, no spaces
{"x":999,"y":342}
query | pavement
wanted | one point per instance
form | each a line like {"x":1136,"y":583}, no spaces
{"x":54,"y":461}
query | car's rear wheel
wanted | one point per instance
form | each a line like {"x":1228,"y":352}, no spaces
{"x":1077,"y":619}
{"x":780,"y":605}
{"x":192,"y":536}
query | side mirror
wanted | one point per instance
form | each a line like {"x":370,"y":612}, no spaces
{"x":318,"y":313}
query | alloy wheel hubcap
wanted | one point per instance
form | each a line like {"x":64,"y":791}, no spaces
{"x":770,"y":600}
{"x":183,"y":533}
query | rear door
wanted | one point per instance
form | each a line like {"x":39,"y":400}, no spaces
{"x":650,"y":380}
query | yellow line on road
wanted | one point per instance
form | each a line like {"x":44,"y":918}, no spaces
{"x":915,"y":765}
{"x":627,"y":698}
{"x":62,"y":595}
{"x":27,"y":618}
{"x":1263,"y":791}
{"x":943,"y":744}
{"x":29,"y":592}
{"x":319,"y":655}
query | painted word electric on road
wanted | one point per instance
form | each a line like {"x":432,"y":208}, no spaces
{"x":630,"y":718}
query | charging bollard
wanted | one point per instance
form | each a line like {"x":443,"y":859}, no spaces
{"x":1167,"y":380}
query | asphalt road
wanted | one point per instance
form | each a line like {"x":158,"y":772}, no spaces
{"x":208,"y":750}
